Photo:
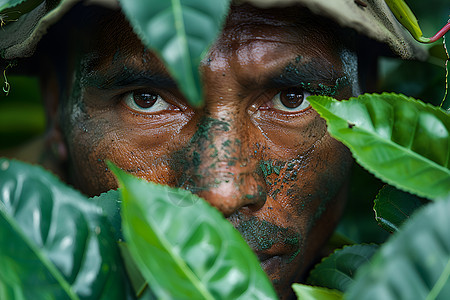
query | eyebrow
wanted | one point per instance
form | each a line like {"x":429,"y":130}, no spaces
{"x":128,"y":76}
{"x":316,"y":76}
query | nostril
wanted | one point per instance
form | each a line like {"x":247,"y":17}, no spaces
{"x":256,"y":198}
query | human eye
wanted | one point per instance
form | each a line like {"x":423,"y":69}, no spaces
{"x":290,"y":100}
{"x":143,"y":101}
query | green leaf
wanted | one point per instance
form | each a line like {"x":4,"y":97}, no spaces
{"x":110,"y":204}
{"x":184,"y":247}
{"x":393,"y":207}
{"x":406,"y":17}
{"x":306,"y":292}
{"x":402,"y":141}
{"x":337,"y":270}
{"x":11,"y":10}
{"x":138,"y":282}
{"x":54,"y":244}
{"x":4,"y":4}
{"x":414,"y":263}
{"x":180,"y":31}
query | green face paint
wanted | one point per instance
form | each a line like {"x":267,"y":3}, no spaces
{"x":262,"y":235}
{"x":303,"y":75}
{"x":278,"y":174}
{"x":202,"y":147}
{"x":269,"y":167}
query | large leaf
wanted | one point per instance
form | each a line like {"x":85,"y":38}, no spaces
{"x":337,"y":270}
{"x":306,"y":292}
{"x":401,"y":140}
{"x":414,"y":263}
{"x":393,"y":207}
{"x":184,"y":247}
{"x":111,"y":204}
{"x":54,"y":244}
{"x":138,"y":282}
{"x":180,"y":31}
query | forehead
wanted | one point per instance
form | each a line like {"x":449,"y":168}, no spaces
{"x":247,"y":31}
{"x":292,"y":23}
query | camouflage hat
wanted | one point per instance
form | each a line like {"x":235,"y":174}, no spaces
{"x":19,"y":37}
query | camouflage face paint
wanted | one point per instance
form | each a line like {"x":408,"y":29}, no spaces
{"x":262,"y":235}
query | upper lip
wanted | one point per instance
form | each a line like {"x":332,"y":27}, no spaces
{"x":263,"y":256}
{"x":256,"y":234}
{"x":277,"y":249}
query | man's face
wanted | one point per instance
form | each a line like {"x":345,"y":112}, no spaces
{"x":256,"y":150}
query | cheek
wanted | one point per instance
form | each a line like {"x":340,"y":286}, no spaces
{"x":302,"y":186}
{"x":305,"y":196}
{"x":140,"y":148}
{"x":293,"y":135}
{"x":304,"y":169}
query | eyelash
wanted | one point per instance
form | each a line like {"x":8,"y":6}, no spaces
{"x":277,"y":101}
{"x":166,"y":96}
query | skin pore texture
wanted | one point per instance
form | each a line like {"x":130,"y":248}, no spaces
{"x":256,"y":150}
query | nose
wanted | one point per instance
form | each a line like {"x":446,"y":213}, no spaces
{"x":231,"y":190}
{"x":219,"y":167}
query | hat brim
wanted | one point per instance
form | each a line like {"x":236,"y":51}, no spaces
{"x":371,"y":18}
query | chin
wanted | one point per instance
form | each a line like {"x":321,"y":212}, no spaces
{"x":283,"y":271}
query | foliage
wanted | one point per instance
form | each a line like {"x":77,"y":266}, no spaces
{"x":307,"y":292}
{"x":393,"y":207}
{"x":110,"y":203}
{"x":181,"y":32}
{"x":53,"y":241}
{"x":407,"y":18}
{"x":413,"y":264}
{"x":337,"y":270}
{"x":11,"y":10}
{"x":53,"y":233}
{"x":400,"y":140}
{"x":184,"y":247}
{"x":4,"y":4}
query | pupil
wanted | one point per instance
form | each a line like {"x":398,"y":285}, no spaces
{"x":292,"y":99}
{"x":145,"y":100}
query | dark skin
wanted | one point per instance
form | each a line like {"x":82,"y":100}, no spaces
{"x":256,"y":150}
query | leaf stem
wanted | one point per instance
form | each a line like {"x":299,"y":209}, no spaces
{"x":46,"y":262}
{"x":440,"y":33}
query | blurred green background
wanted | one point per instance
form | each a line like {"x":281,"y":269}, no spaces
{"x":22,"y":115}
